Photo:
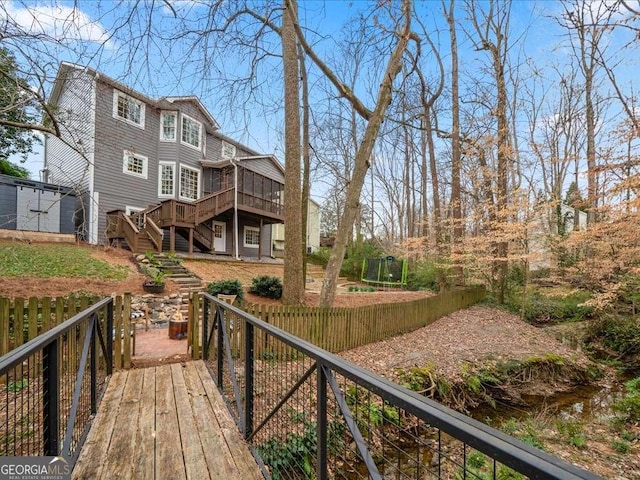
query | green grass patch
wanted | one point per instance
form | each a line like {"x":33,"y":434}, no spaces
{"x":55,"y":260}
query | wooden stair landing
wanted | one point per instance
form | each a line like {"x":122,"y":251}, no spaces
{"x":165,"y":422}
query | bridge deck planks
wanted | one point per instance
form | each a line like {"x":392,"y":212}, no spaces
{"x":165,"y":422}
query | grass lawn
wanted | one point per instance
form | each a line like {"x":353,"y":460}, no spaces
{"x":55,"y":260}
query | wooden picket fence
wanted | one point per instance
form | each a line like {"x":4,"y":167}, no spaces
{"x":339,"y":329}
{"x":34,"y":316}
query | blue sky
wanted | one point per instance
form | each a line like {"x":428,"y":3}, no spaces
{"x":88,"y":28}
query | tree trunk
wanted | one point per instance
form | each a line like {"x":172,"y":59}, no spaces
{"x":361,"y":162}
{"x":456,"y":197}
{"x":293,"y":284}
{"x":306,"y":160}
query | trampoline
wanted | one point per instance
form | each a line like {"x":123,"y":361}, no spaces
{"x":387,"y":271}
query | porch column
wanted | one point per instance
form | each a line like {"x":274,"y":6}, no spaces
{"x":260,"y":241}
{"x":172,"y":238}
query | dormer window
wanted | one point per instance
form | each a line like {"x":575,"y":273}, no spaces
{"x":191,"y":132}
{"x":128,"y":109}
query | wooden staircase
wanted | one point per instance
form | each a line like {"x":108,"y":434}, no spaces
{"x":142,"y":231}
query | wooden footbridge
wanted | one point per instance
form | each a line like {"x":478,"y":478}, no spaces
{"x":302,"y":411}
{"x":166,"y":422}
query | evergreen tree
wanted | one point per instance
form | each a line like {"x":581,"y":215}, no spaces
{"x":16,"y":107}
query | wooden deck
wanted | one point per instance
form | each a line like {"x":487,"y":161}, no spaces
{"x":166,"y":422}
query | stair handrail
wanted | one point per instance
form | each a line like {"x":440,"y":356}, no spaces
{"x":130,"y":231}
{"x":199,"y":217}
{"x":155,"y":233}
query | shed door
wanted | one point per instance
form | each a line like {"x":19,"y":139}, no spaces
{"x":38,"y":210}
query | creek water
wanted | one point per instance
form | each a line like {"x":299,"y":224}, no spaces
{"x":584,"y":403}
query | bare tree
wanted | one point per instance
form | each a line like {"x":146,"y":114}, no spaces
{"x":492,"y":29}
{"x":365,"y":147}
{"x":293,"y":281}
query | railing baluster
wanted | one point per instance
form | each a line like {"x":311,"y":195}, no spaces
{"x":321,"y":461}
{"x":220,"y":347}
{"x":248,"y":379}
{"x":109,"y":334}
{"x":205,"y":331}
{"x":94,"y":366}
{"x":50,"y":393}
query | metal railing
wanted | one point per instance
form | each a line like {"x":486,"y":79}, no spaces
{"x":308,"y":414}
{"x":51,"y":386}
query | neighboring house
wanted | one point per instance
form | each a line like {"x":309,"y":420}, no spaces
{"x":313,"y":231}
{"x":541,"y":231}
{"x":157,"y":173}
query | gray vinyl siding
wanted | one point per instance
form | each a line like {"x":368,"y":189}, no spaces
{"x":75,"y":106}
{"x":265,"y":167}
{"x":113,"y":136}
{"x":8,"y":207}
{"x":265,"y":239}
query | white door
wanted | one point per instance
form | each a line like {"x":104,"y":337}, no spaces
{"x":219,"y":236}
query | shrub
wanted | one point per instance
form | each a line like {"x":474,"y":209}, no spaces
{"x":541,"y":309}
{"x":226,"y":287}
{"x":629,"y":406}
{"x":619,"y":334}
{"x":320,"y":256}
{"x":266,"y":286}
{"x":427,"y":276}
{"x":621,"y":447}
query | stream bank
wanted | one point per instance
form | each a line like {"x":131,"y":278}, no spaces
{"x":548,"y":393}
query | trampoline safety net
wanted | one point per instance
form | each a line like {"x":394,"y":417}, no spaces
{"x":384,"y":271}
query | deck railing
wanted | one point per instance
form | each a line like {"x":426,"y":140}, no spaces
{"x":52,"y":385}
{"x":311,"y":414}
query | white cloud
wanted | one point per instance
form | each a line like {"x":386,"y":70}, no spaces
{"x":61,"y":23}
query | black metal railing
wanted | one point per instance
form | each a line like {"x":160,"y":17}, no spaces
{"x":308,"y":414}
{"x":51,"y":386}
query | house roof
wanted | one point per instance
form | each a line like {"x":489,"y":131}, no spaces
{"x":162,"y":102}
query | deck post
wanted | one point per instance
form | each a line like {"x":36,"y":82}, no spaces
{"x":260,"y":240}
{"x":50,"y":400}
{"x":220,"y":347}
{"x":190,"y":241}
{"x":321,"y":461}
{"x":172,"y":238}
{"x":248,"y":379}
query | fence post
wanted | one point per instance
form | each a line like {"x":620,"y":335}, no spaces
{"x":248,"y":380}
{"x":205,"y":328}
{"x":109,"y":335}
{"x":50,"y":399}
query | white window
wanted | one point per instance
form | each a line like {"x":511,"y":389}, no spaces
{"x":228,"y":150}
{"x":168,"y":124}
{"x":134,"y":164}
{"x":189,"y":183}
{"x":251,"y":237}
{"x":128,"y":109}
{"x":191,"y":132}
{"x":167,"y":179}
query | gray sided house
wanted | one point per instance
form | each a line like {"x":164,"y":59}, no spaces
{"x":156,"y":173}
